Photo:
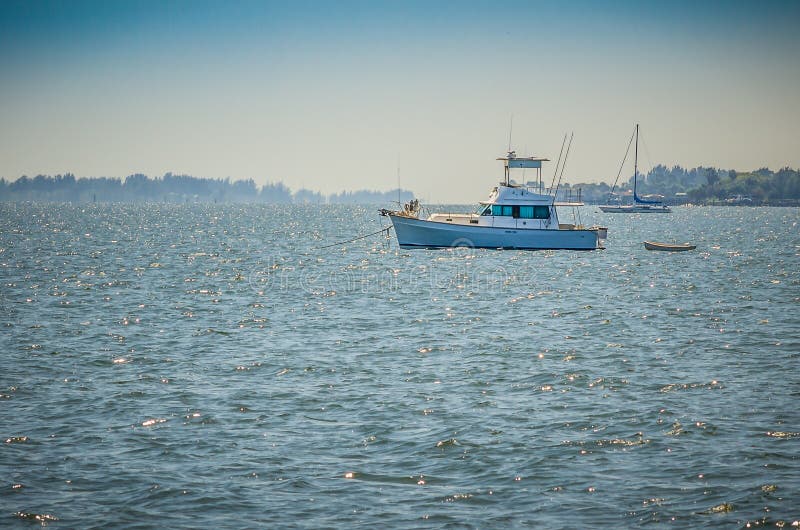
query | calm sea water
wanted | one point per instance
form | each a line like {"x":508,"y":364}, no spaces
{"x":175,"y":366}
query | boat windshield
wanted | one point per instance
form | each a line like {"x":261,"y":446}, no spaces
{"x":484,"y":209}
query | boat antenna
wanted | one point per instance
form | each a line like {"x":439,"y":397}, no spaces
{"x":399,"y":201}
{"x":624,"y":158}
{"x":555,"y":172}
{"x":563,"y":165}
{"x":510,"y":130}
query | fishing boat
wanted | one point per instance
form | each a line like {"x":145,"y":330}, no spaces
{"x":668,"y":247}
{"x":513,"y":217}
{"x":639,"y":205}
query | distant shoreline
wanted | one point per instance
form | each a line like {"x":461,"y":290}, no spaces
{"x":673,"y":186}
{"x":178,"y":189}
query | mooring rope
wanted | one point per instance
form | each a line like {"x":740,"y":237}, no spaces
{"x":386,"y":229}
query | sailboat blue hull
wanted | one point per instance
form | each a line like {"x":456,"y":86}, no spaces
{"x":637,"y":208}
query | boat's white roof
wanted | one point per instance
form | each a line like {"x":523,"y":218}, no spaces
{"x":512,"y":156}
{"x":516,"y":195}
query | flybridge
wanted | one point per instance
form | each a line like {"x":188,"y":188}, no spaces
{"x":512,"y":161}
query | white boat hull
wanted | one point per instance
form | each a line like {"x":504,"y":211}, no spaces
{"x":418,"y":233}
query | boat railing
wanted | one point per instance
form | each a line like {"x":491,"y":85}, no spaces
{"x":568,"y":195}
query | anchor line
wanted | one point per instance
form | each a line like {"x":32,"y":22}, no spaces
{"x":382,"y":230}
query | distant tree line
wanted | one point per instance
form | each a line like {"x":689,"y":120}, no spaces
{"x":758,"y":187}
{"x":706,"y":185}
{"x":176,"y":189}
{"x":699,"y":185}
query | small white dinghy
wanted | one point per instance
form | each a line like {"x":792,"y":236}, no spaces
{"x":668,"y":247}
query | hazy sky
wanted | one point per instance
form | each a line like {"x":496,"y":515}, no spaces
{"x":333,"y":95}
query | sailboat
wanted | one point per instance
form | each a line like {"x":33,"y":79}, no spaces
{"x":639,"y":205}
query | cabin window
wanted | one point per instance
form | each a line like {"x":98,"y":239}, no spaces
{"x":541,"y":212}
{"x":518,"y":212}
{"x":502,"y":210}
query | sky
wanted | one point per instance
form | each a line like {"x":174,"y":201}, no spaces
{"x":362,"y":95}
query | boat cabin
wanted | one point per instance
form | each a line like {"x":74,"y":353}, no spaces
{"x":512,"y":205}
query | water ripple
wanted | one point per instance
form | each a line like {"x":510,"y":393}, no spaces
{"x":206,"y":366}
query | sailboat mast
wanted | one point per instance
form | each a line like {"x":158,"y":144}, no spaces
{"x":635,"y":161}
